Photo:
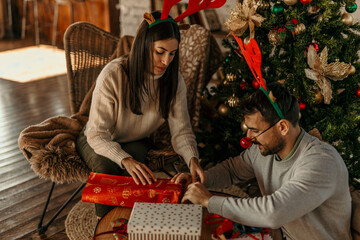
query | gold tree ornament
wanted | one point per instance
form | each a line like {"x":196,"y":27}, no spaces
{"x":299,"y":28}
{"x":318,"y":96}
{"x":243,"y":126}
{"x":290,"y":2}
{"x":347,"y":19}
{"x":321,"y":71}
{"x":233,"y":101}
{"x":244,"y":16}
{"x":230,"y":77}
{"x":352,"y":70}
{"x":274,"y":37}
{"x":263,"y":5}
{"x":223,"y":109}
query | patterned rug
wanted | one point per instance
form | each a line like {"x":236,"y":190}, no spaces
{"x":32,"y":63}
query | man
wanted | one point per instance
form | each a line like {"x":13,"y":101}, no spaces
{"x":303,"y":181}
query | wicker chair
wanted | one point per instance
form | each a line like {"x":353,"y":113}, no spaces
{"x":50,"y":145}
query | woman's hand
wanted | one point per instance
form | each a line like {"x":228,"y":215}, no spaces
{"x":138,"y":171}
{"x":180,"y":177}
{"x":196,"y":171}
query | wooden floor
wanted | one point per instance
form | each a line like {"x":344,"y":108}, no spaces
{"x":22,"y":193}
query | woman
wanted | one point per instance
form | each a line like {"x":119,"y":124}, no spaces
{"x":133,"y":97}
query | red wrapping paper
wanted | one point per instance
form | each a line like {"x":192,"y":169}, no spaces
{"x":123,"y":191}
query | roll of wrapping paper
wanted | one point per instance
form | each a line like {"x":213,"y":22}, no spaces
{"x":123,"y":191}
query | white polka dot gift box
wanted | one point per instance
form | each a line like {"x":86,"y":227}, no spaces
{"x":164,"y":221}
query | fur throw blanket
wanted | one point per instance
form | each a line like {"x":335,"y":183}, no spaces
{"x":50,"y":146}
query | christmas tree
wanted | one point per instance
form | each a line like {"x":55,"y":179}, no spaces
{"x":310,"y":46}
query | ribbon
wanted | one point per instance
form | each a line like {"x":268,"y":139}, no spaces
{"x":244,"y":16}
{"x":228,"y":226}
{"x":119,"y":229}
{"x":320,"y":71}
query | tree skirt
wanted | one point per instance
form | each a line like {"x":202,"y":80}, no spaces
{"x":81,"y":221}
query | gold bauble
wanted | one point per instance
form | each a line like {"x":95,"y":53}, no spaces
{"x":299,"y":28}
{"x":352,"y":70}
{"x":233,"y":101}
{"x":223,"y":109}
{"x":230,"y":77}
{"x":318,"y":97}
{"x":274,"y":37}
{"x":226,"y":82}
{"x":290,"y":2}
{"x":347,"y":19}
{"x":243,"y":126}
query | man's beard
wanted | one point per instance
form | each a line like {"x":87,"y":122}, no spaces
{"x":272,"y":150}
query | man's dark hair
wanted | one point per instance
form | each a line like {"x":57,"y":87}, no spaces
{"x":141,"y":67}
{"x":258,"y":101}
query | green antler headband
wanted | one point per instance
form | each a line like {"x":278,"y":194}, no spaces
{"x":252,"y":54}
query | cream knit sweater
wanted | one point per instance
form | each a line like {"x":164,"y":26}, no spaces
{"x":110,"y":123}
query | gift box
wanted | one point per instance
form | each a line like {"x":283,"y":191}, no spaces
{"x":123,"y":191}
{"x":165,"y":221}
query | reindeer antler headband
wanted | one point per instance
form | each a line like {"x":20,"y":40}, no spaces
{"x":193,"y":7}
{"x":252,"y":55}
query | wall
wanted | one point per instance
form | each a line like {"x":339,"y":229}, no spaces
{"x":131,"y":15}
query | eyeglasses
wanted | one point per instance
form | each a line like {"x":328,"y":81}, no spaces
{"x":246,"y":142}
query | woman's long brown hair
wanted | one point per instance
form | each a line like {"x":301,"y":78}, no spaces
{"x":140,"y":68}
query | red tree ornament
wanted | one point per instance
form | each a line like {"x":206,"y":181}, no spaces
{"x":255,"y":84}
{"x":305,"y":1}
{"x":358,"y":92}
{"x":243,"y":85}
{"x":302,"y":106}
{"x":315,"y":45}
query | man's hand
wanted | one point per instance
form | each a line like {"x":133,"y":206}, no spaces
{"x":138,"y":171}
{"x":196,"y":171}
{"x":180,"y":177}
{"x":197,"y":194}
